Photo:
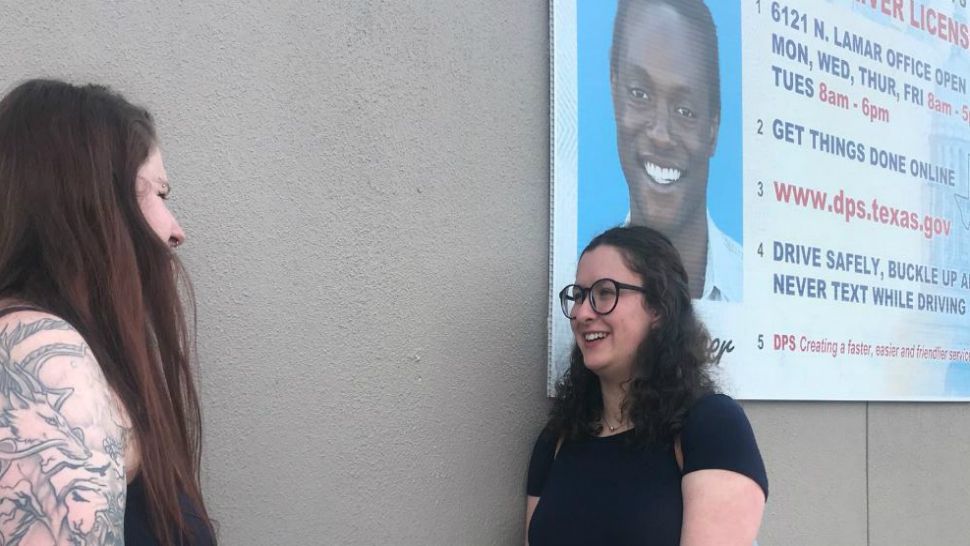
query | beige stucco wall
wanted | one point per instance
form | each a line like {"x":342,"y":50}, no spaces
{"x":365,"y":188}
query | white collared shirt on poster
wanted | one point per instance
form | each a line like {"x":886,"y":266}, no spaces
{"x":722,"y":276}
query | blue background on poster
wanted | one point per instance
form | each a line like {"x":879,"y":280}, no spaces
{"x":602,"y":192}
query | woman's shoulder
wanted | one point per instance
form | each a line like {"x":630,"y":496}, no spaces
{"x":546,"y":436}
{"x":718,"y":435}
{"x":713,"y":420}
{"x":48,"y":361}
{"x":48,"y":354}
{"x":27,"y":329}
{"x":62,"y":423}
{"x":543,"y":455}
{"x":716,"y":403}
{"x":24,"y":326}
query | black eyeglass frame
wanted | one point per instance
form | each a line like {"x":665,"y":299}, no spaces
{"x":584,"y":292}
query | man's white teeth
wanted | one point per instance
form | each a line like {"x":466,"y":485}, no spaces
{"x":661,"y":175}
{"x":594,"y":336}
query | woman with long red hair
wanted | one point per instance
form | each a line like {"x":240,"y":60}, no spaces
{"x":99,"y":416}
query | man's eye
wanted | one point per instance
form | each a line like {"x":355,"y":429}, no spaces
{"x":686,"y":112}
{"x":639,"y":93}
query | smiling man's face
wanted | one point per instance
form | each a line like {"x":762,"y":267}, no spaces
{"x":666,"y":127}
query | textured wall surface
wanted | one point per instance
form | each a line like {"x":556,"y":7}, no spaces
{"x":364,"y":184}
{"x":816,"y":459}
{"x":919,"y":477}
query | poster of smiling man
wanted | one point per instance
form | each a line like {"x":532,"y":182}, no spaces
{"x":758,"y":137}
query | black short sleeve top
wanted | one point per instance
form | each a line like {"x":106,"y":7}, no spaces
{"x":610,"y":491}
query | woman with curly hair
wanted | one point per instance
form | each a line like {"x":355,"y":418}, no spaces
{"x":639,"y":448}
{"x":99,"y":416}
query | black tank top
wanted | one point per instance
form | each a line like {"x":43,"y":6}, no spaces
{"x":138,"y":525}
{"x":138,"y":528}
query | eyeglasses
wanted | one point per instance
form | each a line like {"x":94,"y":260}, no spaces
{"x":603,"y":296}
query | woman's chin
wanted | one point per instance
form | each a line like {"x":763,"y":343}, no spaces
{"x":609,"y":370}
{"x":596,"y":365}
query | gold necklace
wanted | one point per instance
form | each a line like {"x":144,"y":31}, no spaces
{"x":611,"y":427}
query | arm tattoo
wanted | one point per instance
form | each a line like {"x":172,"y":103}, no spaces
{"x":62,"y":477}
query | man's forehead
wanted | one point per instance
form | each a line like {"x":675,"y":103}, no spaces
{"x":661,"y":27}
{"x":668,"y":47}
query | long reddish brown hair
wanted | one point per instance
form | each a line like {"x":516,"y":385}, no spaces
{"x":74,"y":242}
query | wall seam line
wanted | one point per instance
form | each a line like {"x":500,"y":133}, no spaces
{"x":867,"y":475}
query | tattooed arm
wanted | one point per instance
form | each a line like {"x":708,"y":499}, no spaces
{"x":62,"y":438}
